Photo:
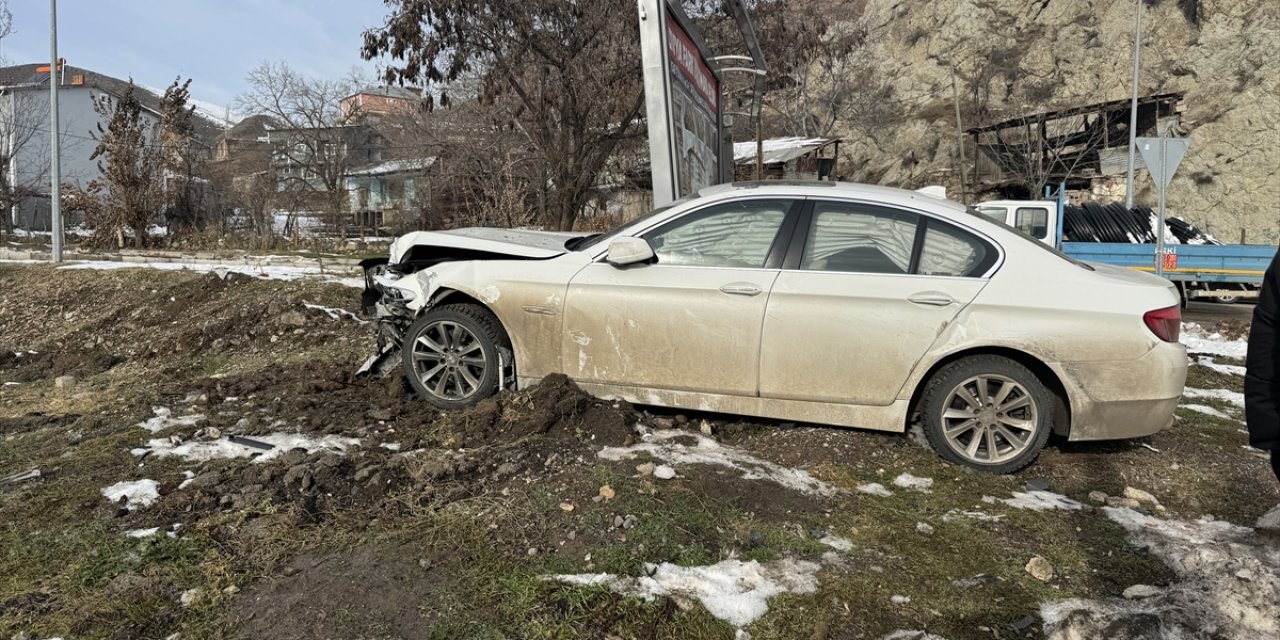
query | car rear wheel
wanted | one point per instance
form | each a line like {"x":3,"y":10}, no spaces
{"x":451,"y":355}
{"x":987,"y":412}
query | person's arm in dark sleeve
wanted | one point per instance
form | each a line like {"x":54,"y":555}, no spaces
{"x":1261,"y":385}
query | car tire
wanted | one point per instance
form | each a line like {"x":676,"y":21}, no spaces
{"x":1226,"y":299}
{"x":451,"y":356}
{"x":965,"y":424}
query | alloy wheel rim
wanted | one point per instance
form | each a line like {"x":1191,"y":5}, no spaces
{"x":990,"y":419}
{"x":449,"y":360}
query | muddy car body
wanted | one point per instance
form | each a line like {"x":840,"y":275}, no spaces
{"x":830,"y":303}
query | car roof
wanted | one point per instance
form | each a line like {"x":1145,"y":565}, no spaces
{"x":815,"y":188}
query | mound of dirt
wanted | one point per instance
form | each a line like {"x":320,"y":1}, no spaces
{"x":27,"y":367}
{"x":554,"y":409}
{"x":460,"y":455}
{"x":315,"y":484}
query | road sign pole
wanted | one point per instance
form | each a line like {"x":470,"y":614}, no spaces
{"x":1160,"y":216}
{"x":1162,"y":157}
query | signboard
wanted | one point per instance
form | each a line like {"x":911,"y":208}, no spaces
{"x":1162,"y":156}
{"x":682,"y":100}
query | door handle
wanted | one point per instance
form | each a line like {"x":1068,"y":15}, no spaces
{"x":741,"y":289}
{"x":934,"y":298}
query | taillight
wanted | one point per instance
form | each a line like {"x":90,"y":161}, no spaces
{"x":1166,"y":323}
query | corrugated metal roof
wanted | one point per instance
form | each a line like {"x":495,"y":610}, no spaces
{"x":778,"y":150}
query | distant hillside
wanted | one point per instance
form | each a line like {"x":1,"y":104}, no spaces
{"x":1019,"y":57}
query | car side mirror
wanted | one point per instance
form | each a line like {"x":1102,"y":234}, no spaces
{"x":628,"y":250}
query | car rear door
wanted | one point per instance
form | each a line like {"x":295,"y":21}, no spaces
{"x":691,"y":320}
{"x":864,"y":292}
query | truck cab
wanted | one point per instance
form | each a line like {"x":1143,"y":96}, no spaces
{"x":1036,"y":218}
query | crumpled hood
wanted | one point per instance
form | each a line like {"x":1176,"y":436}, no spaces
{"x":513,"y":242}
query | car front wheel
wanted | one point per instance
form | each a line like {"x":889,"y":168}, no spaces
{"x":987,"y":412}
{"x":451,"y":355}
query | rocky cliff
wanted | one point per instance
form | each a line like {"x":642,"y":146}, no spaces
{"x":1011,"y":58}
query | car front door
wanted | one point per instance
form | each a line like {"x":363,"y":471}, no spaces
{"x":865,"y":291}
{"x":691,"y":320}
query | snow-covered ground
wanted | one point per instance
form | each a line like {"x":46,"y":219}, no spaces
{"x":223,"y":447}
{"x":1199,"y":340}
{"x":264,"y":271}
{"x":665,"y":445}
{"x":1229,"y":586}
{"x":734,"y":591}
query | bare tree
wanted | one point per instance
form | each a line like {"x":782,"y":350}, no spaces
{"x":22,"y":118}
{"x":140,"y":154}
{"x":563,"y":76}
{"x":24,"y":153}
{"x":316,"y":145}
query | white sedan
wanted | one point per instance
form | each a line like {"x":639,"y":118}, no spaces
{"x":828,"y":303}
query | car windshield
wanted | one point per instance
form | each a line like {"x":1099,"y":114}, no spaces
{"x":996,"y":221}
{"x":585,"y":242}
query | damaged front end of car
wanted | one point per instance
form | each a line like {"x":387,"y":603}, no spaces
{"x":389,"y":304}
{"x":395,"y":294}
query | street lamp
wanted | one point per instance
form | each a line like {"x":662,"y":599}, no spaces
{"x":55,"y":162}
{"x":1133,"y":110}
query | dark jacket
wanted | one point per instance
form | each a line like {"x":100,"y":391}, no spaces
{"x":1261,"y":382}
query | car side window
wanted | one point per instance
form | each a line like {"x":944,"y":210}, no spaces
{"x":948,"y":251}
{"x":859,"y":238}
{"x":732,"y":234}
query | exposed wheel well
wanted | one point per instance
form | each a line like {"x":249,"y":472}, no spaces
{"x":1062,"y":410}
{"x":453,"y":296}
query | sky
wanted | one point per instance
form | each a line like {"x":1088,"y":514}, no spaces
{"x":214,"y":42}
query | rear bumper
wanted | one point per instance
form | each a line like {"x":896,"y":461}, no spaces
{"x":1129,"y":399}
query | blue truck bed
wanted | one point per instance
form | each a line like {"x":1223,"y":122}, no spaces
{"x":1217,"y":263}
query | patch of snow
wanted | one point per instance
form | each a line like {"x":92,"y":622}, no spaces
{"x":139,"y":494}
{"x":1230,"y":397}
{"x":336,"y":313}
{"x":1229,"y":369}
{"x":664,"y":472}
{"x":142,"y":533}
{"x":225,"y":448}
{"x":837,"y":543}
{"x":903,"y":634}
{"x":908,"y":481}
{"x":980,"y":516}
{"x":734,"y":591}
{"x":1197,"y":340}
{"x":875,"y":489}
{"x":705,"y":450}
{"x":390,"y":446}
{"x":189,"y":475}
{"x":263,"y":272}
{"x":1041,"y":501}
{"x":900,"y":599}
{"x":1229,"y":585}
{"x":1207,"y":410}
{"x":164,"y":420}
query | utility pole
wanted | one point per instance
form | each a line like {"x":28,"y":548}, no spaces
{"x":1133,"y":109}
{"x":955,"y":92}
{"x":55,"y":167}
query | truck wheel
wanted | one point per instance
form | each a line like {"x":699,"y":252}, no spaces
{"x":1226,"y":299}
{"x":450,"y":355}
{"x":987,"y":412}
